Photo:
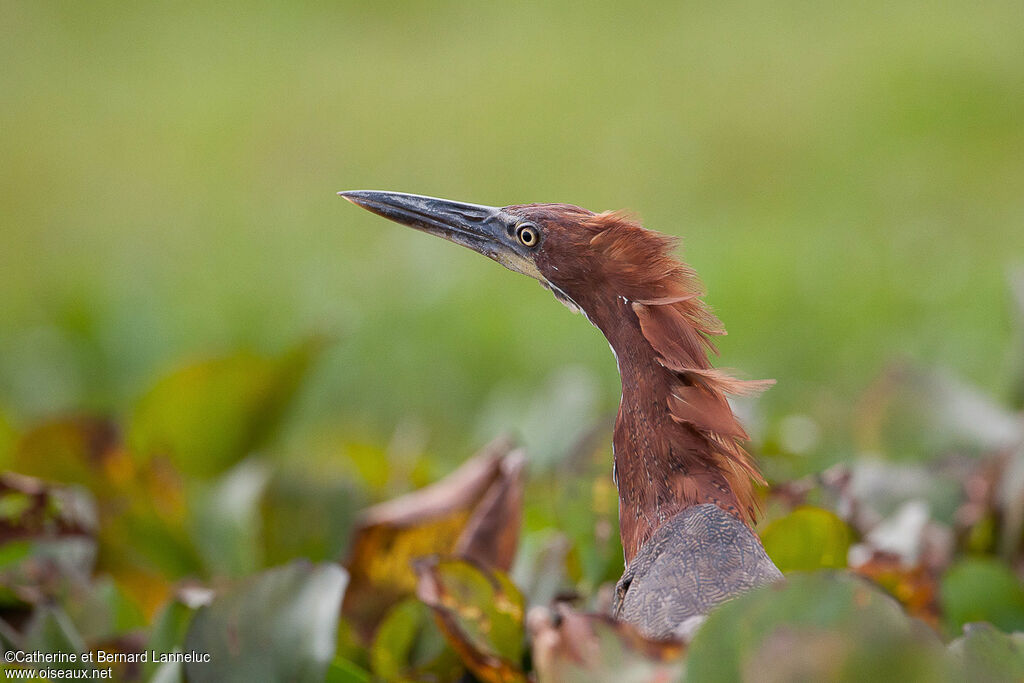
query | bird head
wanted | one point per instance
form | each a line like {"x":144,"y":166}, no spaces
{"x":584,"y":258}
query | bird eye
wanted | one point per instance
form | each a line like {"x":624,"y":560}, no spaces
{"x":528,"y":235}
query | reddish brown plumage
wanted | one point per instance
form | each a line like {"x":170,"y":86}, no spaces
{"x":677,"y":441}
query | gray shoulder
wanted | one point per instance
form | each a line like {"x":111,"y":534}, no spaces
{"x":697,"y":559}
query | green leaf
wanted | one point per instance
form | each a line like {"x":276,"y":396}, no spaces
{"x":103,"y":611}
{"x":309,"y":514}
{"x":209,"y":415}
{"x":480,"y":612}
{"x":806,"y":539}
{"x":227,"y":525}
{"x":343,"y":671}
{"x":989,"y":655}
{"x":14,"y":552}
{"x":72,"y":450}
{"x":168,"y":634}
{"x":820,"y":626}
{"x":50,"y":630}
{"x":280,"y":625}
{"x":409,"y":647}
{"x":982,"y":589}
{"x":169,"y":672}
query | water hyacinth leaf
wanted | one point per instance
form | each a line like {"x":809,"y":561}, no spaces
{"x":226,"y":525}
{"x":982,"y":589}
{"x":83,"y":450}
{"x":990,"y":655}
{"x":50,"y":630}
{"x":169,"y":672}
{"x":279,"y":625}
{"x":101,"y":611}
{"x":807,"y":538}
{"x":409,"y":647}
{"x":208,"y":415}
{"x":170,"y":625}
{"x":308,"y":513}
{"x":571,"y":647}
{"x":480,"y":612}
{"x":818,"y":626}
{"x":475,"y":512}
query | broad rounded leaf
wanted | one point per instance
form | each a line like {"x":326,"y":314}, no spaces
{"x":807,"y":538}
{"x":51,"y":630}
{"x":989,"y":655}
{"x":226,"y":522}
{"x":82,"y":450}
{"x":308,"y":513}
{"x":980,"y":589}
{"x":208,"y":415}
{"x":409,"y":647}
{"x":819,"y":626}
{"x":170,"y":624}
{"x":279,"y":625}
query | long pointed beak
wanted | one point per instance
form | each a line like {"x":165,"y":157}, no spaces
{"x":484,"y":229}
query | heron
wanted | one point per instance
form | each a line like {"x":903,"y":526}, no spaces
{"x":686,"y":485}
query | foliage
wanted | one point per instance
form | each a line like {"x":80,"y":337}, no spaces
{"x":187,"y":468}
{"x":143,"y":552}
{"x":279,"y":625}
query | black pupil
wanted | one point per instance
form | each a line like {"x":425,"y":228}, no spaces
{"x":527,"y":236}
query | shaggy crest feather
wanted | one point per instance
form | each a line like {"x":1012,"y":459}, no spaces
{"x":665,"y":295}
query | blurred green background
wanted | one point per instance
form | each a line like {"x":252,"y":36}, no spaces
{"x":849,"y":182}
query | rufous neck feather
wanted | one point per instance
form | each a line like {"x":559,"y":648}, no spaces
{"x":677,"y":441}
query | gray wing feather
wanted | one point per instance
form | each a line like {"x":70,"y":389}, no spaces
{"x":696,"y":560}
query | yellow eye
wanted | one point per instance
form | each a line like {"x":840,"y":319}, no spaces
{"x":528,"y":235}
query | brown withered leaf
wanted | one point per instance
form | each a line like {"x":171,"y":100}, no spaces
{"x":915,"y":587}
{"x":569,"y":647}
{"x":31,"y":508}
{"x":474,"y":512}
{"x":47,"y":541}
{"x":480,"y":613}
